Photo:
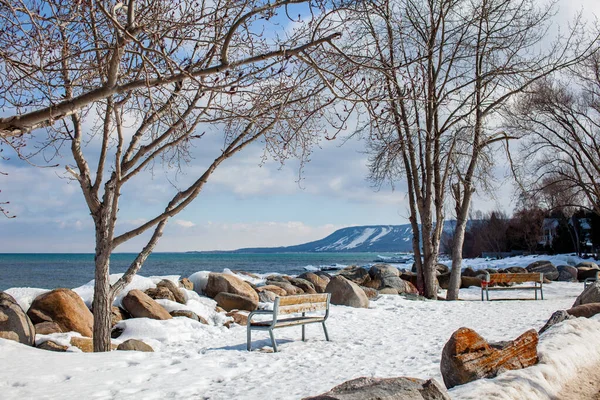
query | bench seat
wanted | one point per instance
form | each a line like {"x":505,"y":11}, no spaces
{"x":491,"y":279}
{"x":290,"y":305}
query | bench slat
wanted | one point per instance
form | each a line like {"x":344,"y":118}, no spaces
{"x":298,"y":308}
{"x":516,"y":278}
{"x":303,"y":298}
{"x":289,"y":321}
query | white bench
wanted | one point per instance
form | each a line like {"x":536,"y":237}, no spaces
{"x":299,"y":304}
{"x":491,"y":279}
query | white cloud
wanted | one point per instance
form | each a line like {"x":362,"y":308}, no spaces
{"x":184,"y":224}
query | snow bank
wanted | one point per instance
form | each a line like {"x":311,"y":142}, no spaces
{"x":200,"y":280}
{"x":138,"y":282}
{"x":563,"y":350}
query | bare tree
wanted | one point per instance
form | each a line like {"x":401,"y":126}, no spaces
{"x":560,"y":121}
{"x":506,"y":54}
{"x":143,"y":81}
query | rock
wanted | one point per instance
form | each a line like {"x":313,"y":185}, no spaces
{"x":140,"y":305}
{"x":177,"y":294}
{"x":86,"y":344}
{"x":585,"y":310}
{"x":323,"y":275}
{"x":118,"y":314}
{"x":225,"y":283}
{"x":409,"y":277}
{"x":550,"y":272}
{"x":46,"y":328}
{"x":444,"y":280}
{"x":378,"y":271}
{"x":412,"y":289}
{"x":288,"y":287}
{"x":64,"y":307}
{"x":266,"y":296}
{"x":135,"y":345}
{"x":273,"y":289}
{"x":442,"y":269}
{"x":370,"y":292}
{"x":516,"y":270}
{"x":388,"y":290}
{"x":239,"y":317}
{"x":358,"y":275}
{"x":187,"y":314}
{"x":319,"y":283}
{"x":468,"y":281}
{"x":469,"y":272}
{"x":556,"y":318}
{"x":591,"y":294}
{"x":230,"y":301}
{"x":347,"y":293}
{"x":584,"y":273}
{"x":566,"y":273}
{"x":52,"y":346}
{"x":587,"y":264}
{"x":467,"y":356}
{"x":160,"y":293}
{"x":116,"y":332}
{"x":14,"y":322}
{"x":186,"y":284}
{"x":278,"y":278}
{"x":402,"y":388}
{"x":303,"y":284}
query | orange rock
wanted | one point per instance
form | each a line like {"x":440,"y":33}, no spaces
{"x":467,"y":356}
{"x":64,"y":307}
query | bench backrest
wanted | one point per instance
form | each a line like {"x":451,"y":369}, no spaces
{"x":302,"y":303}
{"x":515,"y":278}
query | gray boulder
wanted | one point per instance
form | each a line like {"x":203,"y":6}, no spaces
{"x":306,"y":286}
{"x":402,"y":388}
{"x":175,"y":291}
{"x":14,"y":323}
{"x":378,"y":271}
{"x":140,"y":305}
{"x":135,"y":345}
{"x":591,"y":294}
{"x":358,"y":275}
{"x":566,"y":273}
{"x":516,"y":270}
{"x":545,"y":267}
{"x":319,"y":282}
{"x":346,"y":293}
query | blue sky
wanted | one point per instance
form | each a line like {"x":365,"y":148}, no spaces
{"x":244,"y":204}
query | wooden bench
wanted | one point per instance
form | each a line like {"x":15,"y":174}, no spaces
{"x":491,"y":279}
{"x":291,"y":305}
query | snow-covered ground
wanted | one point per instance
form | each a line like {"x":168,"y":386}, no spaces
{"x":394,"y":337}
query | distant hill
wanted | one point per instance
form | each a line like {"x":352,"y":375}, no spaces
{"x":372,"y":238}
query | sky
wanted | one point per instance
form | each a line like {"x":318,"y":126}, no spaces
{"x":246,"y":203}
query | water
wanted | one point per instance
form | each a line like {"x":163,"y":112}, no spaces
{"x":50,"y":271}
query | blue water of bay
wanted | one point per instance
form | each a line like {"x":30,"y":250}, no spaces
{"x":51,"y":271}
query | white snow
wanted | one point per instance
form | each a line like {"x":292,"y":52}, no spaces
{"x":25,"y":296}
{"x":363,"y":237}
{"x":394,"y":337}
{"x":384,"y":231}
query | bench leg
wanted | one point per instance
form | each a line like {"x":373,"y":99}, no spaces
{"x":273,"y":340}
{"x":304,"y":333}
{"x":249,"y":339}
{"x":542,"y":292}
{"x":325,"y":330}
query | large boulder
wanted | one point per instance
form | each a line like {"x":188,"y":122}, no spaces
{"x":468,"y":281}
{"x":467,"y":356}
{"x":566,"y":273}
{"x":319,"y":282}
{"x":159,"y":293}
{"x":140,"y":305}
{"x":266,"y":296}
{"x":545,"y":267}
{"x":288,"y":287}
{"x":402,"y":388}
{"x":441,"y":269}
{"x":591,"y":294}
{"x":271,"y":288}
{"x":585,"y":310}
{"x":370,"y":292}
{"x":303,"y":284}
{"x":135,"y":345}
{"x":230,"y":301}
{"x":64,"y":307}
{"x":52,"y":346}
{"x":468,"y":272}
{"x":584,"y":273}
{"x":14,"y":323}
{"x":346,"y":293}
{"x":516,"y":270}
{"x":219,"y":283}
{"x":378,"y":271}
{"x":358,"y":275}
{"x":587,"y":264}
{"x":117,"y":315}
{"x":171,"y":287}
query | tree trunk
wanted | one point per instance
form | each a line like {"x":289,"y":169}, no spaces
{"x":429,"y":260}
{"x":103,"y":299}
